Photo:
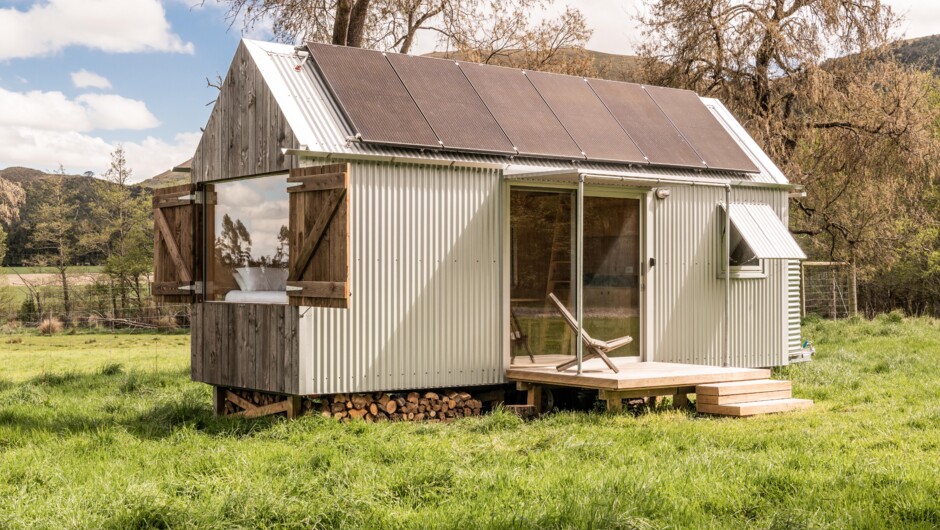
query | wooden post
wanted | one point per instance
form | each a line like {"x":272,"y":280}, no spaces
{"x":614,"y":403}
{"x":832,"y":272}
{"x":854,"y":287}
{"x":218,"y":400}
{"x":680,"y":401}
{"x":294,"y":409}
{"x":534,"y":397}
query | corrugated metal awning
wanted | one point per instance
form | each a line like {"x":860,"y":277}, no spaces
{"x":764,"y":232}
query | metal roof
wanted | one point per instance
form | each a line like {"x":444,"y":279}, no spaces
{"x":764,"y":232}
{"x":321,"y":129}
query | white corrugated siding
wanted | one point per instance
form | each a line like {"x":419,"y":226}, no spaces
{"x":424,"y":281}
{"x":794,"y":337}
{"x":687,"y":297}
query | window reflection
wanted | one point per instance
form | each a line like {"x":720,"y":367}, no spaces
{"x":249,"y":238}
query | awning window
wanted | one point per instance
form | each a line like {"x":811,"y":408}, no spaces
{"x":764,"y":233}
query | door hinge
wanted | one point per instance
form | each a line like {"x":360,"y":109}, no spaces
{"x":195,"y":198}
{"x":196,"y":288}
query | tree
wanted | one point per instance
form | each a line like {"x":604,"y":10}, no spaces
{"x":856,"y":131}
{"x":56,"y":233}
{"x":233,"y":244}
{"x":3,"y":244}
{"x":122,"y":229}
{"x":12,"y":199}
{"x":492,"y":31}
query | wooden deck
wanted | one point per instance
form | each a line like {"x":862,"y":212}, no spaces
{"x":633,"y":375}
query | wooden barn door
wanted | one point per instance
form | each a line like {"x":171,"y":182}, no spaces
{"x":175,"y":220}
{"x":319,"y":236}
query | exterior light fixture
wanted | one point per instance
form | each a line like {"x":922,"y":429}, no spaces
{"x":662,"y":193}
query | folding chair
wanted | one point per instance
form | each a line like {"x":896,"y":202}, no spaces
{"x":518,"y":337}
{"x":595,"y":347}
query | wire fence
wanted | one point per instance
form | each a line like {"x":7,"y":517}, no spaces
{"x":95,"y":304}
{"x":828,"y":290}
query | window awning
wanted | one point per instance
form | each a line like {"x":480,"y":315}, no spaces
{"x":764,"y":232}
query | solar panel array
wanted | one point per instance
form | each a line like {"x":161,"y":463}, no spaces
{"x":433,"y":103}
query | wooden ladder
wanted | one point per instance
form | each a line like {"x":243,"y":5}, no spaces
{"x":559,"y":270}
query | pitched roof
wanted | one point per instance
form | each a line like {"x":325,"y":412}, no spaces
{"x":322,"y":127}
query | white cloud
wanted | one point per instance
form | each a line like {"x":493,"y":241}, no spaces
{"x":88,"y":112}
{"x":77,"y":152}
{"x":85,"y":79}
{"x":119,"y":26}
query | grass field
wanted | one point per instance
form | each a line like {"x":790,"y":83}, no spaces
{"x":112,"y":434}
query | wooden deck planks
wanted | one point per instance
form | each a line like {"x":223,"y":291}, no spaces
{"x":634,"y":375}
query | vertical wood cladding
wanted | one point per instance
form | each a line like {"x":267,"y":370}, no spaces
{"x":246,"y":129}
{"x":250,"y":346}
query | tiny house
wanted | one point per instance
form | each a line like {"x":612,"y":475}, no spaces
{"x":364,"y":222}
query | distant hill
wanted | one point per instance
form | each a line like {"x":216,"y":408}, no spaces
{"x":171,"y":177}
{"x":27,"y":183}
{"x":923,"y":52}
{"x":606,"y":65}
{"x":21,"y":175}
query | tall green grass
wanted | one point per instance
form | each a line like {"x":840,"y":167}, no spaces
{"x":112,"y":442}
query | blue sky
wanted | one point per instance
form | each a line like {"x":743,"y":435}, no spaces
{"x":78,"y":77}
{"x":154,"y":71}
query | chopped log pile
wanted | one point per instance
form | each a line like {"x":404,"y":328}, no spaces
{"x":410,"y":406}
{"x":442,"y":405}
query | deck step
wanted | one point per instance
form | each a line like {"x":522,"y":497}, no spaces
{"x":743,"y":387}
{"x":756,"y":407}
{"x":732,"y":399}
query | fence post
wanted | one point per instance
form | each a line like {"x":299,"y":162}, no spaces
{"x":832,"y":273}
{"x":854,"y":287}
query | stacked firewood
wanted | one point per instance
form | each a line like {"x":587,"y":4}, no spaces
{"x":411,"y":406}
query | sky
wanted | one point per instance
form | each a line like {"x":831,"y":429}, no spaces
{"x":79,"y":77}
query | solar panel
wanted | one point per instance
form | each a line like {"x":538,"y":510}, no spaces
{"x":450,"y":104}
{"x":586,"y":118}
{"x":372,"y":96}
{"x":646,"y":124}
{"x":700,"y":127}
{"x":520,"y":111}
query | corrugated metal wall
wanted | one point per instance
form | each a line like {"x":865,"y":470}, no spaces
{"x":687,"y":296}
{"x":425,"y":283}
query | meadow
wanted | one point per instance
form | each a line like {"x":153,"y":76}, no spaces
{"x":106,"y":431}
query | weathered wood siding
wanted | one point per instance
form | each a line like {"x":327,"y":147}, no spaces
{"x":246,"y":129}
{"x":250,"y":346}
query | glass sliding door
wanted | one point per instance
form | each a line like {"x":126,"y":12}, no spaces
{"x":541,"y":249}
{"x":542,"y":262}
{"x":612,"y":270}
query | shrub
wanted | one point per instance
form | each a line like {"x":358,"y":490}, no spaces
{"x":50,"y":326}
{"x":166,"y":322}
{"x":112,"y":369}
{"x":895,"y":317}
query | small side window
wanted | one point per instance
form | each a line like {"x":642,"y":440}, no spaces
{"x":744,"y":264}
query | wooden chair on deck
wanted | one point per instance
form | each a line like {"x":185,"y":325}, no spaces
{"x":518,"y":337}
{"x":594,"y":347}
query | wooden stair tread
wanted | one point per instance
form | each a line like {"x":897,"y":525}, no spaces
{"x":754,"y":408}
{"x":732,"y":399}
{"x":743,"y":387}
